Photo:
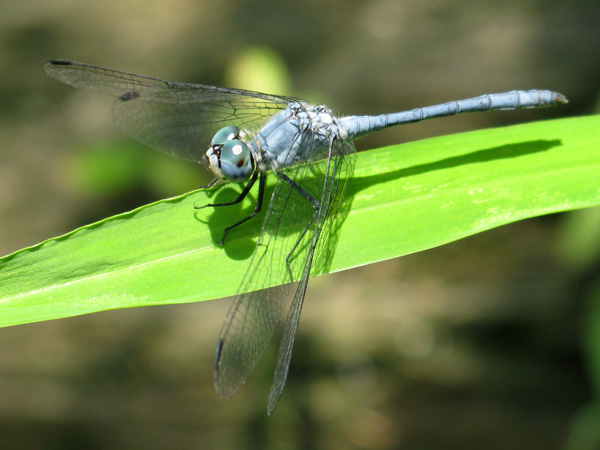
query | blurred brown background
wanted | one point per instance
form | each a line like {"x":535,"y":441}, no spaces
{"x":491,"y":342}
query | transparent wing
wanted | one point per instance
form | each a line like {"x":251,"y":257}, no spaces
{"x":337,"y":173}
{"x":254,"y":315}
{"x":256,"y":311}
{"x":177,"y":118}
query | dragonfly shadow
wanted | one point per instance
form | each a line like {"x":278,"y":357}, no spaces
{"x":489,"y":154}
{"x":241,"y":241}
{"x":239,"y":244}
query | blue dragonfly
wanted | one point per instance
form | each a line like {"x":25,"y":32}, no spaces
{"x":242,"y":136}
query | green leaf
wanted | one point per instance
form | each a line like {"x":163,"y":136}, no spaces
{"x":405,"y":199}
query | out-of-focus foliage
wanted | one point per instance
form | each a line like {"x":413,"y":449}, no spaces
{"x":477,"y":344}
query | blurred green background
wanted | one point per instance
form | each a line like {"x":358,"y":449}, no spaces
{"x":490,"y":342}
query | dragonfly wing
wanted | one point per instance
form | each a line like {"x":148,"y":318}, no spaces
{"x":244,"y":336}
{"x":177,"y":118}
{"x":285,"y":247}
{"x":337,"y":172}
{"x":186,"y":129}
{"x":256,"y":309}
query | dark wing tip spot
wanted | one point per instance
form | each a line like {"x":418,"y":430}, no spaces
{"x":60,"y":62}
{"x":131,"y":95}
{"x":218,"y":354}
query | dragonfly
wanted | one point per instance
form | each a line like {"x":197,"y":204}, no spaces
{"x":242,"y":137}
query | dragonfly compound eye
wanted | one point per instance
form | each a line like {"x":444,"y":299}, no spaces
{"x":236,"y":161}
{"x":225,"y":134}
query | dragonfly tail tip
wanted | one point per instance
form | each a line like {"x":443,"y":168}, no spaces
{"x":560,"y":98}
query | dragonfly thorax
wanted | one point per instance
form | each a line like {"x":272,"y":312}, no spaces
{"x":228,"y":157}
{"x":296,"y":135}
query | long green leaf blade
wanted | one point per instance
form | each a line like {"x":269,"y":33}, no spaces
{"x":405,"y":199}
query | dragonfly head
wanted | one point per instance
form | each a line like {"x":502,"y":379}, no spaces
{"x":228,"y":157}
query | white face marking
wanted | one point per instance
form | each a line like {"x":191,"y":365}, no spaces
{"x":237,"y":149}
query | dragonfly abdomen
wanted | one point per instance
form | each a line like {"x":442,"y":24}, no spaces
{"x":358,"y":126}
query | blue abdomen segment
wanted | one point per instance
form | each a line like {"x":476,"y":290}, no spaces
{"x":357,"y":126}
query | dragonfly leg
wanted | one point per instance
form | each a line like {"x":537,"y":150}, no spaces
{"x":240,"y":197}
{"x":299,"y":189}
{"x":315,"y":205}
{"x":209,"y":185}
{"x":257,"y":207}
